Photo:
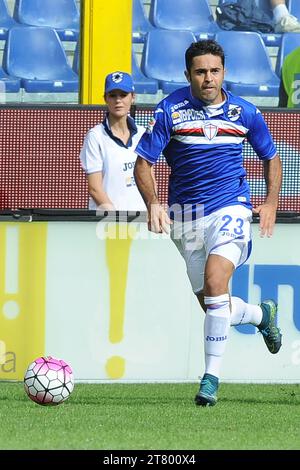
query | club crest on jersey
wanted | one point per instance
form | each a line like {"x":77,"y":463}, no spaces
{"x":150,"y":126}
{"x":210,"y":131}
{"x":234,"y":112}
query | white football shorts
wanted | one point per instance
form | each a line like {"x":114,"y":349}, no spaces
{"x":225,"y":232}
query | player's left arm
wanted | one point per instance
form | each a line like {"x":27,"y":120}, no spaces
{"x":267,"y":210}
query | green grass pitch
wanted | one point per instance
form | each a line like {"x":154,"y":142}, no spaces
{"x":153,"y":417}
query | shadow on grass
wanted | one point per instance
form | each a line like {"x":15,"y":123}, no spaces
{"x":188,"y":402}
{"x":127,"y":401}
{"x":288,"y":401}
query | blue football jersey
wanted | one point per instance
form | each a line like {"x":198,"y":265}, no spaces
{"x":203,"y":148}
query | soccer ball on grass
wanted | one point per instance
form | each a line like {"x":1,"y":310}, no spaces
{"x":48,"y":381}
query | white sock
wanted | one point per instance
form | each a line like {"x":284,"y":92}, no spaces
{"x":216,"y":328}
{"x":243,"y":313}
{"x":279,"y":12}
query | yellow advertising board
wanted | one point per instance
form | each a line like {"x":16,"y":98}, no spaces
{"x":22,"y":296}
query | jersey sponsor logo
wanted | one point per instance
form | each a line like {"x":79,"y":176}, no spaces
{"x":210,"y":131}
{"x":128,"y":166}
{"x":129,"y":181}
{"x":176,"y":117}
{"x":234,"y":112}
{"x":185,"y":115}
{"x":150,"y":126}
{"x":179,"y":105}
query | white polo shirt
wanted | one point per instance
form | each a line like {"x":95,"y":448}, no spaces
{"x":104,"y":152}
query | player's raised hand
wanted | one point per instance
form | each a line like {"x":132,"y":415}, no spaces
{"x":267,"y":218}
{"x":158,"y":219}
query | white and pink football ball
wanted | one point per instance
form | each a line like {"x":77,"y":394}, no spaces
{"x":48,"y":381}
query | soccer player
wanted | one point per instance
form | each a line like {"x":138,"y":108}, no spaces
{"x":200,"y":129}
{"x":108,"y":156}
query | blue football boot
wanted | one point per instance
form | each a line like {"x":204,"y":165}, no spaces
{"x":207,"y":395}
{"x":271,"y":334}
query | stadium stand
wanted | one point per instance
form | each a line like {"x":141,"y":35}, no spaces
{"x":142,"y":83}
{"x":36,"y":56}
{"x":8,"y":84}
{"x":168,"y":70}
{"x":62,"y":15}
{"x":270,"y":39}
{"x":6,"y":21}
{"x":290,"y":41}
{"x":195,"y":16}
{"x":140,"y":23}
{"x":249,"y":70}
{"x":143,"y":12}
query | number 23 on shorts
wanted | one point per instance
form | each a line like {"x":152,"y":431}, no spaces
{"x":231,"y":224}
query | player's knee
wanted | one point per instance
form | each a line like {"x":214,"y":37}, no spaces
{"x":215,"y":284}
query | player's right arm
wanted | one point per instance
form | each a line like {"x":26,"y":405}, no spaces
{"x":149,"y":149}
{"x":158,"y":220}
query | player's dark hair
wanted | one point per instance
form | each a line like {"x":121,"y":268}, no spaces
{"x":206,"y":46}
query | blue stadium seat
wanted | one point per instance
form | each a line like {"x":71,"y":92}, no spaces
{"x":8,"y":84}
{"x":168,"y":68}
{"x":36,"y":55}
{"x":294,"y":8}
{"x":270,"y":39}
{"x":290,"y":41}
{"x":62,"y":15}
{"x":194,"y":15}
{"x":142,"y":84}
{"x":249,"y":70}
{"x":6,"y":21}
{"x":140,"y":23}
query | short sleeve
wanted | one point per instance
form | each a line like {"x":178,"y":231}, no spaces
{"x":156,"y":136}
{"x":90,"y":156}
{"x":260,"y":138}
